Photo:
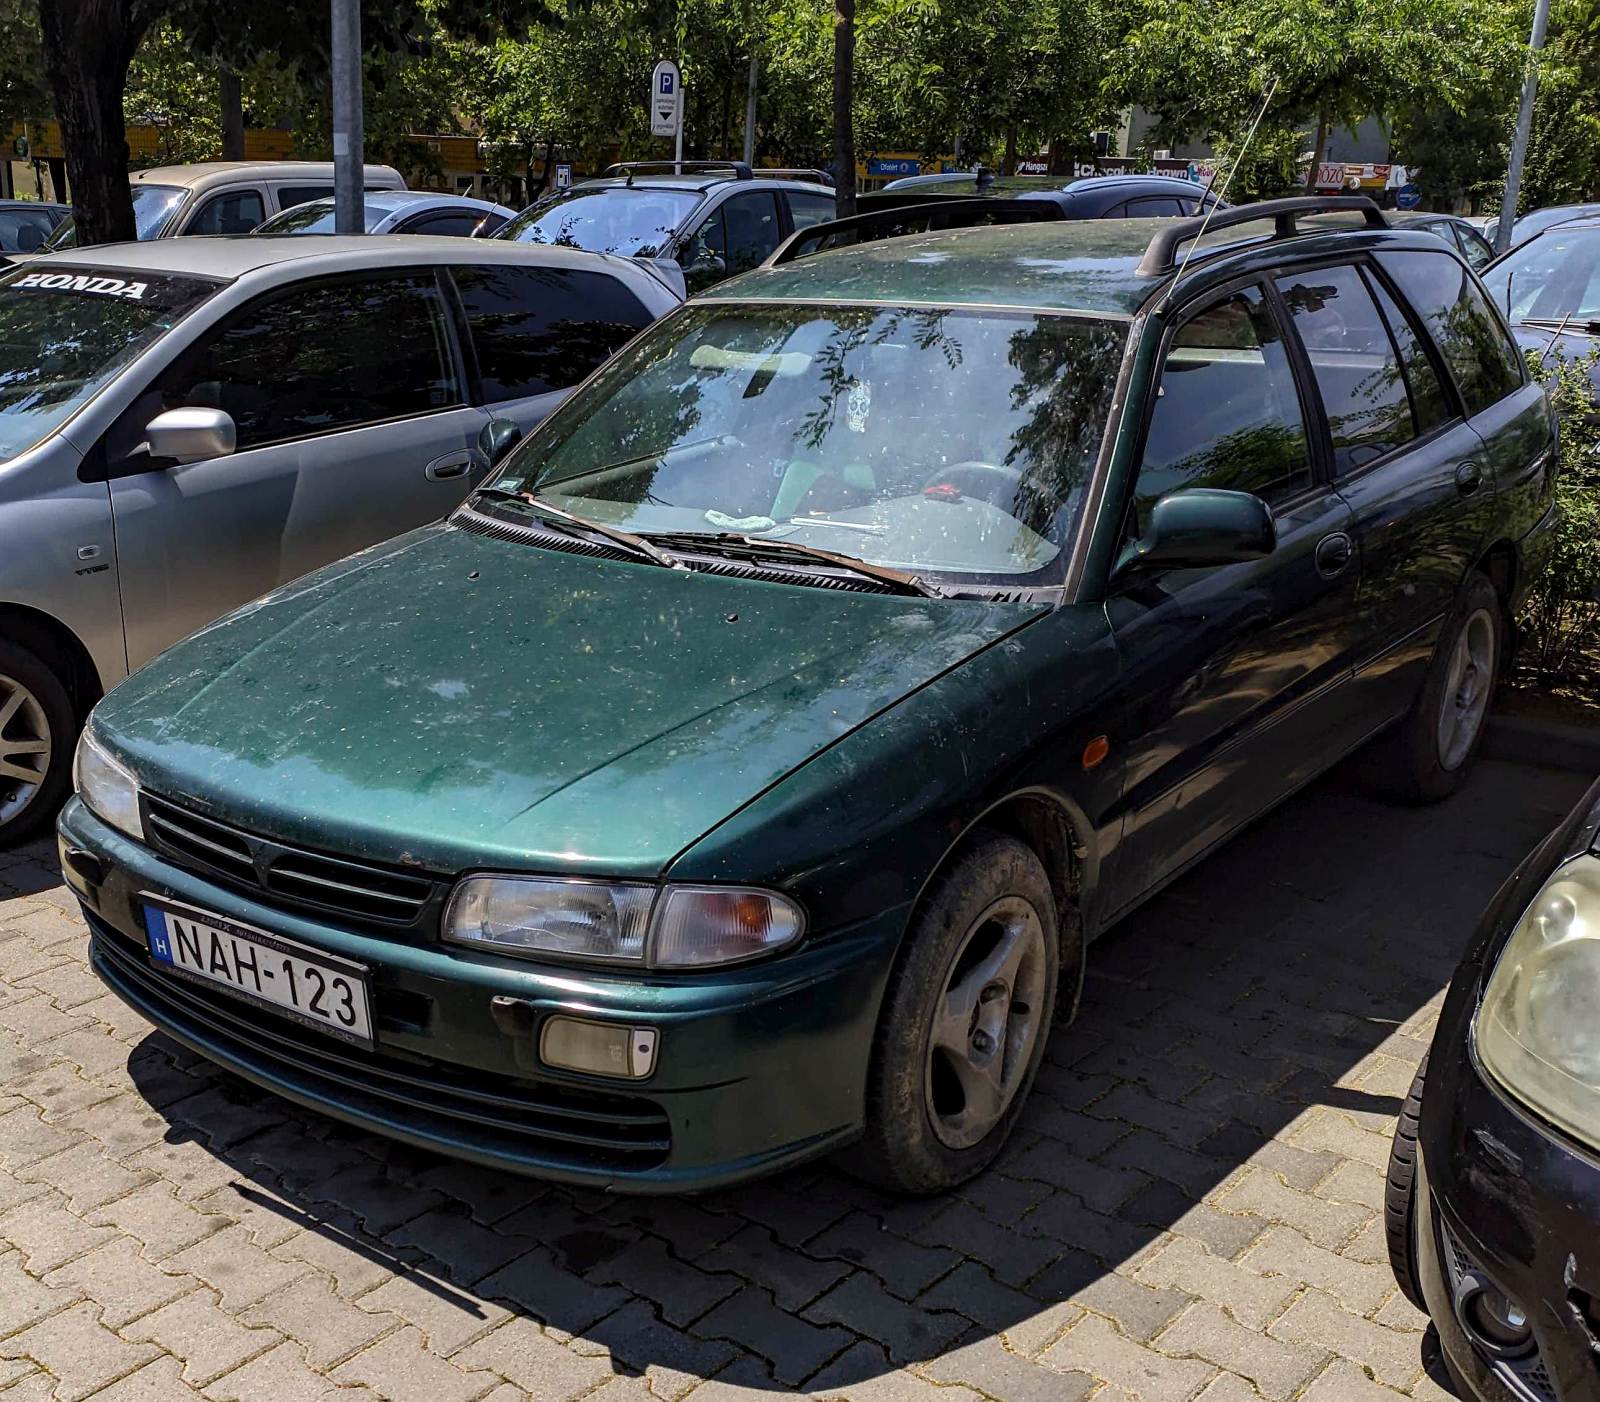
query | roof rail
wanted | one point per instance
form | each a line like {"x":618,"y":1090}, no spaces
{"x":1161,"y":256}
{"x":910,"y":219}
{"x":821,"y":177}
{"x":737,"y":170}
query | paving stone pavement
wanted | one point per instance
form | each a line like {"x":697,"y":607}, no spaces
{"x":1190,"y":1209}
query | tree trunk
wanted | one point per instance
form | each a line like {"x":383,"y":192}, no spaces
{"x":844,"y":81}
{"x":1008,"y":163}
{"x":228,"y":89}
{"x":1316,"y":152}
{"x":88,"y":45}
{"x":546,"y":175}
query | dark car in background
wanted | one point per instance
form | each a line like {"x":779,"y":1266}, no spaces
{"x":743,"y":772}
{"x":1549,"y":289}
{"x":1091,"y":197}
{"x":26,"y":224}
{"x":1492,"y":1207}
{"x":710,"y":218}
{"x":1461,"y":234}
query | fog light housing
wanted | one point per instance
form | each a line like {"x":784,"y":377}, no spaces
{"x":1495,"y":1322}
{"x":598,"y":1048}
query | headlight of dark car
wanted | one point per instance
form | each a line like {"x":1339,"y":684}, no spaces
{"x":1537,"y":1031}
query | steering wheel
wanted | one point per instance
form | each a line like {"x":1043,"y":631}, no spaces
{"x":986,"y":480}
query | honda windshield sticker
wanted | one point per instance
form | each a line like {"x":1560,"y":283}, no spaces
{"x":84,"y":282}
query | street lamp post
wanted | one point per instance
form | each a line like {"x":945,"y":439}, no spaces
{"x":348,"y":159}
{"x":1519,"y":142}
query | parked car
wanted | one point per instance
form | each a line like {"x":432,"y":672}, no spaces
{"x":1492,"y":1207}
{"x":1460,"y":233}
{"x":184,"y":426}
{"x":1092,"y":197}
{"x":398,"y":212}
{"x":1538,"y":220}
{"x":1549,"y":288}
{"x":712,"y":218}
{"x":224,"y":197}
{"x":743,"y":771}
{"x":26,"y":224}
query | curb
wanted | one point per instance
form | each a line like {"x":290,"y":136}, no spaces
{"x":1549,"y":743}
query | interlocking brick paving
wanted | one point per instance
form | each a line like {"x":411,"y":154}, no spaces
{"x":1189,"y":1210}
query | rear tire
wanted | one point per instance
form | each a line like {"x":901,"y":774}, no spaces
{"x":37,"y":729}
{"x":964,"y":1021}
{"x":1428,"y":756}
{"x":1400,"y":1194}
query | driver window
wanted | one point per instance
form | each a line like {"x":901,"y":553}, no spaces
{"x":1227,"y":413}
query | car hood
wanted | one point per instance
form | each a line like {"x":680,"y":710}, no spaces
{"x":455,"y":701}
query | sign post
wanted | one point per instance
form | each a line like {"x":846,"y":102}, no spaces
{"x":666,"y":105}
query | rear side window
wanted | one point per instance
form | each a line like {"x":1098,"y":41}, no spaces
{"x":454,"y":223}
{"x":320,"y":358}
{"x":808,"y":209}
{"x":1481,"y":355}
{"x":1227,"y":413}
{"x":1154,"y":207}
{"x":1430,"y":405}
{"x":291,"y":195}
{"x":1354,"y":362}
{"x":542,"y":329}
{"x":236,"y":212}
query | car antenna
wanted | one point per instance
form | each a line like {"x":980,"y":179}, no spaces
{"x":1233,"y":170}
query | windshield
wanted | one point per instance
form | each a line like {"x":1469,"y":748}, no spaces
{"x":633,"y":220}
{"x":152,"y":207}
{"x":66,"y":332}
{"x":1554,"y":277}
{"x":945,"y":442}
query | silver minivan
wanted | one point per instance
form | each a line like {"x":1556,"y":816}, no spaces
{"x":186,"y":424}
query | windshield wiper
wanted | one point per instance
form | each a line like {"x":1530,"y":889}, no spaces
{"x":635,"y":545}
{"x":730,"y":543}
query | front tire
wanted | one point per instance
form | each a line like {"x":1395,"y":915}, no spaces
{"x":964,"y":1021}
{"x":1430,"y":753}
{"x":37,"y":730}
{"x":1400,"y":1194}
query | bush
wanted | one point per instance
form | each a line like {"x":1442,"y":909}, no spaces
{"x":1561,"y":619}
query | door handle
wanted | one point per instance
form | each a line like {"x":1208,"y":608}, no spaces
{"x":451,"y":465}
{"x":1334,"y":553}
{"x":1469,"y":477}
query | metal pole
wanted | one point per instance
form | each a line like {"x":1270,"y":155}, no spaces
{"x":348,"y":139}
{"x":1519,"y":142}
{"x":750,"y":113}
{"x":677,"y":139}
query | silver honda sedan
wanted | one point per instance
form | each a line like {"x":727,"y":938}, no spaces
{"x":185,"y":424}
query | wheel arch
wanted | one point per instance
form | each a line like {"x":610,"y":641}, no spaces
{"x":58,"y":647}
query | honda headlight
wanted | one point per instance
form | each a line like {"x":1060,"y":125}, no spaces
{"x":676,"y":927}
{"x":106,"y":786}
{"x":1538,"y":1035}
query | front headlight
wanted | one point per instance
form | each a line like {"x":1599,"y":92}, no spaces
{"x":1538,"y":1032}
{"x":106,"y":786}
{"x":679,"y":927}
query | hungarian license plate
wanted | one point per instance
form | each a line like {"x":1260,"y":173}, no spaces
{"x":311,"y":986}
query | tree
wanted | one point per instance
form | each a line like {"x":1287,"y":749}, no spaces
{"x":23,"y":93}
{"x":1564,"y":153}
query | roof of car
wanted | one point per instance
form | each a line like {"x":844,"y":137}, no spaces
{"x":697,"y":183}
{"x":391,"y":201}
{"x":33,"y":204}
{"x":205,"y":172}
{"x":234,"y":257}
{"x":1089,"y":266}
{"x":1000,"y":187}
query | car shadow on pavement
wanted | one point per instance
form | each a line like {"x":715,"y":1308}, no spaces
{"x":1199,"y":1171}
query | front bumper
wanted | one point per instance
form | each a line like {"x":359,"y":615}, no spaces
{"x":1501,"y":1195}
{"x":758,"y":1067}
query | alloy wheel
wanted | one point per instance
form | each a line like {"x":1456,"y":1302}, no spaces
{"x":986,"y":1022}
{"x":1468,"y":683}
{"x":24,"y":748}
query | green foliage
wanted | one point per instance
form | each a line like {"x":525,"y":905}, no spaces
{"x":1564,"y":154}
{"x":1561,"y":621}
{"x":23,"y":93}
{"x":176,"y":92}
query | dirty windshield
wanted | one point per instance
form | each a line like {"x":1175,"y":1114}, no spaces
{"x":635,"y":221}
{"x":947,"y":442}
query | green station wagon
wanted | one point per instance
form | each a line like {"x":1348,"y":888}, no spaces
{"x":744,"y":771}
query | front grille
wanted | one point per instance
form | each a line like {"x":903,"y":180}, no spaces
{"x":512,"y":1119}
{"x":288,"y":875}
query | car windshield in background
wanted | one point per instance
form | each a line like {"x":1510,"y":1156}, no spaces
{"x":635,"y":221}
{"x":1552,"y":278}
{"x":951,"y":443}
{"x":65,"y":332}
{"x":152,"y":207}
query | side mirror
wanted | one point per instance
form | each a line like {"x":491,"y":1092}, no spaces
{"x":498,"y":437}
{"x":191,"y":435}
{"x":1197,"y":527}
{"x":708,"y":268}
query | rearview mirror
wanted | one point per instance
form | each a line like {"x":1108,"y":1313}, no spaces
{"x":1197,"y":527}
{"x":191,"y":435}
{"x":498,"y":437}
